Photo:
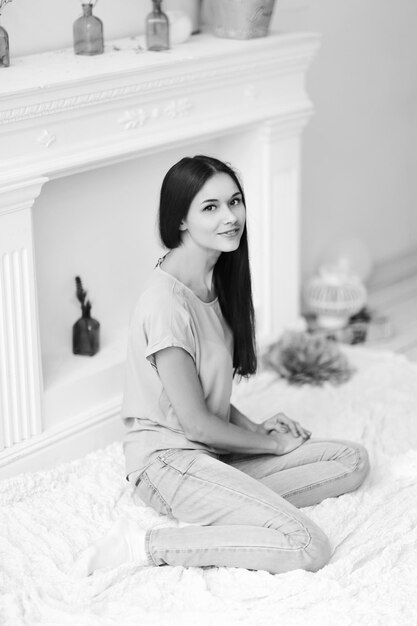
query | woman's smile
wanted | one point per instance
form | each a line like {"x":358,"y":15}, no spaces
{"x":234,"y":232}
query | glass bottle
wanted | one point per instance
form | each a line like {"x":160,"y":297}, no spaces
{"x":88,"y":33}
{"x":86,"y":334}
{"x":4,"y":48}
{"x":157,"y":28}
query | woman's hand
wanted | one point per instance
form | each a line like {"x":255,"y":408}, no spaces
{"x":283,"y":424}
{"x":288,"y":434}
{"x":286,"y":442}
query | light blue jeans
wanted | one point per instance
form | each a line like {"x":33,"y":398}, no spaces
{"x":245,"y":507}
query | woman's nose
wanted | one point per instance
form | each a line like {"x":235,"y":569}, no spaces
{"x":229,"y":216}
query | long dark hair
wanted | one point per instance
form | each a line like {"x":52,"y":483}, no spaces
{"x":231,"y":273}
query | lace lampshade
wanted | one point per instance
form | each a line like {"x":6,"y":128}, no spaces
{"x":334,"y":296}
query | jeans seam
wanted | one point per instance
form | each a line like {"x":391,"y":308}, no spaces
{"x":263,"y":504}
{"x":324,"y":481}
{"x":226,"y":548}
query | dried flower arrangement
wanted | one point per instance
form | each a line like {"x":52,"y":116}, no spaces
{"x":303,"y":358}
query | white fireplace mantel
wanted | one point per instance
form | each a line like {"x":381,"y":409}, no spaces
{"x":61,"y":114}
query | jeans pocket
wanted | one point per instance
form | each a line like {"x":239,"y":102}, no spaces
{"x":150,"y":495}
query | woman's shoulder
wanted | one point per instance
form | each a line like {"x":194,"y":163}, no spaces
{"x":161,"y":292}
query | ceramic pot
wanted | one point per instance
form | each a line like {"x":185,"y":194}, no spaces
{"x":241,"y":19}
{"x":180,"y":26}
{"x":191,"y":7}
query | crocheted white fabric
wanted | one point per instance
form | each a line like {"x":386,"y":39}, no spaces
{"x":47,"y":517}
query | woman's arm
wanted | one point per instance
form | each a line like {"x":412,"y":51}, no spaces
{"x":236,"y":417}
{"x":180,"y":380}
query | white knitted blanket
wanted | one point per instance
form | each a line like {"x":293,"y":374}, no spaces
{"x":47,"y":517}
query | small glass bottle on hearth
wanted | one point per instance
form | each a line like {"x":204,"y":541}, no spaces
{"x":88,"y":32}
{"x":157,"y":28}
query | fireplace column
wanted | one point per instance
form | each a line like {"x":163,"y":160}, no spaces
{"x":279,"y":149}
{"x":20,"y":357}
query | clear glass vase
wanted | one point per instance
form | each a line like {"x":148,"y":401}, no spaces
{"x":4,"y":48}
{"x":88,"y":33}
{"x":157,"y":28}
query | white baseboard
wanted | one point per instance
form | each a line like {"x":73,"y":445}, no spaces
{"x":392,"y":271}
{"x":68,"y":441}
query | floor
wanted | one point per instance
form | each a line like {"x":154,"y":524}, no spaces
{"x":392,"y":293}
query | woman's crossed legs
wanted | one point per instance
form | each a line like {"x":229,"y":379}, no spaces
{"x":245,"y":508}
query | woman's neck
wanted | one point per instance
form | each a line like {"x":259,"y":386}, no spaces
{"x":195,"y":270}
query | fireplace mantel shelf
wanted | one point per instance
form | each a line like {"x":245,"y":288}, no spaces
{"x":62,"y":68}
{"x":60,"y":115}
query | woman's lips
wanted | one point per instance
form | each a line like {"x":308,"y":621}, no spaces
{"x":231,"y":233}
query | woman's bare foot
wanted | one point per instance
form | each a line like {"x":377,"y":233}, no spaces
{"x":286,"y":441}
{"x":124,"y":542}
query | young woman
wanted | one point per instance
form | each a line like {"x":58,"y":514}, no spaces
{"x":190,"y":453}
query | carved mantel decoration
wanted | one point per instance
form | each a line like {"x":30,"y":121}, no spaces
{"x":61,"y":114}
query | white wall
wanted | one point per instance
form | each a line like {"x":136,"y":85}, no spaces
{"x":360,"y":149}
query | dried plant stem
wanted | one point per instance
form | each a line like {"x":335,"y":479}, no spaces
{"x":81,"y":296}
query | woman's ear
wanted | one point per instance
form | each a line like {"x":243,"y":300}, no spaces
{"x":183,"y":226}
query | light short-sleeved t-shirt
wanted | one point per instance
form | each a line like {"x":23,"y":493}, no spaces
{"x":168,"y":313}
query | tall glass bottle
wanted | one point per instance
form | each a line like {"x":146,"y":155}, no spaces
{"x":88,"y":33}
{"x":4,"y":48}
{"x":157,"y":28}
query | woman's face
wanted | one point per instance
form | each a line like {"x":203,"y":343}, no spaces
{"x":216,"y":217}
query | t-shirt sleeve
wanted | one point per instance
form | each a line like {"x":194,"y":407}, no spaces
{"x":166,"y":323}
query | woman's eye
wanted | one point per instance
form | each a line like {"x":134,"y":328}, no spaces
{"x":235,"y":201}
{"x":209,"y":207}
